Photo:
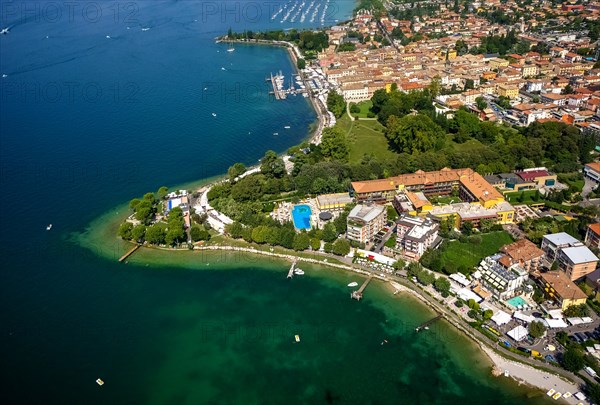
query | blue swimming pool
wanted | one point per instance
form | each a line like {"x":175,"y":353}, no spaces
{"x":301,"y":216}
{"x":516,"y":301}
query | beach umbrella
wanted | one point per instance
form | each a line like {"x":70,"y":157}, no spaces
{"x":551,"y":348}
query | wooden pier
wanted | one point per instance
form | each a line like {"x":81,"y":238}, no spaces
{"x":426,"y":324}
{"x":291,"y":272}
{"x":278,"y":91}
{"x":357,"y":295}
{"x":129,"y":252}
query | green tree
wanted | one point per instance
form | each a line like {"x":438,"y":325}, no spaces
{"x":481,"y":103}
{"x":467,"y":227}
{"x":435,"y":87}
{"x":175,"y":235}
{"x":125,"y":230}
{"x":577,"y":310}
{"x":392,"y":214}
{"x":138,"y":233}
{"x":426,"y":277}
{"x":259,"y":234}
{"x":442,"y":284}
{"x":341,"y":247}
{"x":334,"y":144}
{"x":162,"y":192}
{"x":301,"y":63}
{"x":573,"y":359}
{"x":414,"y":133}
{"x":537,"y":329}
{"x":272,"y":165}
{"x":315,"y":243}
{"x":301,"y":241}
{"x":329,"y":233}
{"x":234,"y":229}
{"x":155,"y":234}
{"x":487,"y":314}
{"x":236,"y":170}
{"x":328,"y":247}
{"x":336,"y":103}
{"x":399,"y":264}
{"x":198,"y":233}
{"x":134,"y":203}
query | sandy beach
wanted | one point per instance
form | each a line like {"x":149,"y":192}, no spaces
{"x":534,"y":377}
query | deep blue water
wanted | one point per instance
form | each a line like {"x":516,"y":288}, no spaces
{"x":88,"y":122}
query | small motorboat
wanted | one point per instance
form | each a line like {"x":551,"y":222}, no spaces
{"x":556,"y":396}
{"x":384,"y":342}
{"x":567,"y":395}
{"x":287,"y":127}
{"x":353,"y":284}
{"x":506,"y":373}
{"x":214,"y":114}
{"x":299,"y":272}
{"x":223,"y":68}
{"x":275,"y":133}
{"x":99,"y":382}
{"x":551,"y":392}
{"x":297,"y":337}
{"x":49,"y":227}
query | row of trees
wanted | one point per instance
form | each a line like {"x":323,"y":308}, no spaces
{"x":171,"y":232}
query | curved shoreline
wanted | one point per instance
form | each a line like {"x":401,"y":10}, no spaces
{"x":523,"y":373}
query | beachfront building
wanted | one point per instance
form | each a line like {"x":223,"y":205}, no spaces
{"x":592,"y":235}
{"x":504,"y":283}
{"x":364,"y":221}
{"x":522,"y":252}
{"x":559,"y":288}
{"x":415,"y":235}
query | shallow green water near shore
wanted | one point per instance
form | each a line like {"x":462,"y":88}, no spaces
{"x":218,"y":327}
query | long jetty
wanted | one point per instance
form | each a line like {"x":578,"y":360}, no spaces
{"x":426,"y":324}
{"x":357,"y":295}
{"x":129,"y":252}
{"x":277,"y":92}
{"x":291,"y":272}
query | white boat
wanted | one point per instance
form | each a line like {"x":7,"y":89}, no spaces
{"x":287,"y":127}
{"x":275,"y":133}
{"x":297,"y":338}
{"x":556,"y":396}
{"x":145,"y":29}
{"x":567,"y":395}
{"x":353,"y":284}
{"x":223,"y":68}
{"x":551,"y":392}
{"x":506,"y":373}
{"x":49,"y":227}
{"x":214,"y":114}
{"x":99,"y":382}
{"x":299,"y":272}
{"x":108,"y":37}
{"x":4,"y":75}
{"x":4,"y":31}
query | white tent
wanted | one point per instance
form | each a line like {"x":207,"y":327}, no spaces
{"x":523,"y":317}
{"x":466,"y":294}
{"x":460,"y":278}
{"x":501,"y":318}
{"x":519,"y":333}
{"x":556,"y":323}
{"x":555,"y":313}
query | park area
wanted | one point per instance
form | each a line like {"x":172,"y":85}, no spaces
{"x":468,"y":254}
{"x":365,"y":109}
{"x":365,"y":138}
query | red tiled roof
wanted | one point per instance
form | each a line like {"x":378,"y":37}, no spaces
{"x":533,"y":174}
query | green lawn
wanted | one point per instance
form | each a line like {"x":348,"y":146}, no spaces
{"x":365,"y":137}
{"x":512,"y":197}
{"x":470,"y":254}
{"x":365,"y":106}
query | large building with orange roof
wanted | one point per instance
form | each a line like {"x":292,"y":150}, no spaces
{"x":592,"y":171}
{"x":471,"y":185}
{"x":592,"y":236}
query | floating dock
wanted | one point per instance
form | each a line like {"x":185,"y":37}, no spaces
{"x":129,"y":252}
{"x":357,"y":295}
{"x":426,"y":324}
{"x":277,"y":83}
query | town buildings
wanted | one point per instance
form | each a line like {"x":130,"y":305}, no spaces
{"x":522,"y":252}
{"x":364,"y":221}
{"x":558,"y":287}
{"x":415,"y":235}
{"x":592,"y":235}
{"x":571,"y":256}
{"x":503,"y":282}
